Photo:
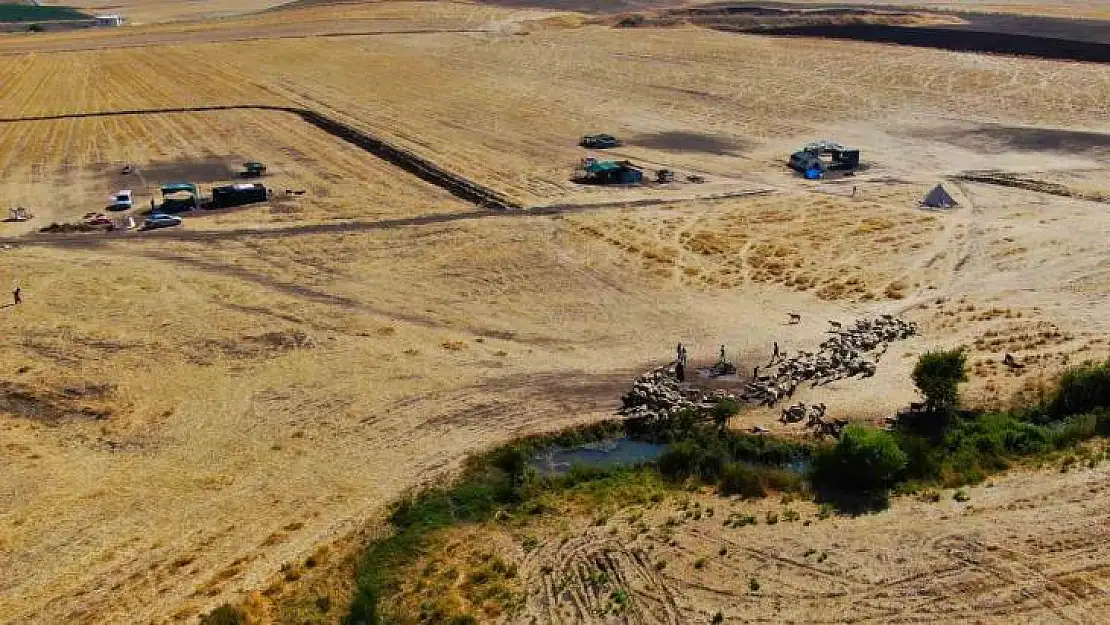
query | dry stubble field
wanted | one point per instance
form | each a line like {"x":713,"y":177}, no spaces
{"x":186,"y":411}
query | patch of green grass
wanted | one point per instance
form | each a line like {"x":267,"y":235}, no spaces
{"x":529,"y":543}
{"x":620,"y":599}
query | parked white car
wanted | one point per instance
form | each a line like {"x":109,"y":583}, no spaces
{"x":123,"y":200}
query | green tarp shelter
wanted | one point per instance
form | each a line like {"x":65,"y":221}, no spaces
{"x":179,"y":187}
{"x":170,"y":205}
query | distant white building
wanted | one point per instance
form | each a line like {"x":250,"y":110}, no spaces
{"x":109,"y":20}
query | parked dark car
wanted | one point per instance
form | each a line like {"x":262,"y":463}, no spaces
{"x":600,"y":141}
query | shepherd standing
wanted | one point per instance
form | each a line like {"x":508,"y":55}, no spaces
{"x":680,"y":362}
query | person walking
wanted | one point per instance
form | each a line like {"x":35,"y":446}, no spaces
{"x":17,"y":295}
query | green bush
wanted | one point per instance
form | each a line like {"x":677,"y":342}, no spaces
{"x":723,"y":411}
{"x":863,"y":459}
{"x":1076,"y":429}
{"x":1082,"y":389}
{"x":689,"y":459}
{"x":224,"y":615}
{"x":511,"y":459}
{"x":938,"y":376}
{"x":739,"y":478}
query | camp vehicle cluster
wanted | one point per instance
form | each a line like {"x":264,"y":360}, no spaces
{"x":180,"y":197}
{"x":592,"y":170}
{"x":175,"y":198}
{"x":816,"y":159}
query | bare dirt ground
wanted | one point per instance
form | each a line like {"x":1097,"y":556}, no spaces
{"x":185,"y":412}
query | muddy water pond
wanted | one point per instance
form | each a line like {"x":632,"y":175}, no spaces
{"x":618,"y":452}
{"x":625,"y":452}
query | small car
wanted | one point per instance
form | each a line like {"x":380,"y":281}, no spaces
{"x":122,"y":201}
{"x":98,"y":219}
{"x":600,"y":141}
{"x":161,"y":220}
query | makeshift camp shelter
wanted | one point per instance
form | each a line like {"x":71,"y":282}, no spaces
{"x":938,"y":198}
{"x":238,"y":194}
{"x":824,"y":155}
{"x":609,"y":172}
{"x":178,"y":196}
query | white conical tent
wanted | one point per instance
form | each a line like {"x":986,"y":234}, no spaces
{"x":938,"y":198}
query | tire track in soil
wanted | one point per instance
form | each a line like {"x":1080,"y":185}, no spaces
{"x":1007,"y":571}
{"x":579,"y":560}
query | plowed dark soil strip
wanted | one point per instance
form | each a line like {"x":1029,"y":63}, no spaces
{"x":957,"y":40}
{"x":1030,"y":184}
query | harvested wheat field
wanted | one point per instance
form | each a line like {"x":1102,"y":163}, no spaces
{"x":189,"y":413}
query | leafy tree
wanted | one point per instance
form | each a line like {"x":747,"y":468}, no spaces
{"x":938,"y":376}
